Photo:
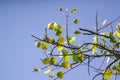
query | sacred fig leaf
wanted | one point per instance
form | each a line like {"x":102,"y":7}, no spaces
{"x":118,"y":27}
{"x":59,"y":48}
{"x":59,"y":28}
{"x":73,"y":10}
{"x":50,"y":39}
{"x":78,"y":57}
{"x":108,"y":74}
{"x":53,"y":60}
{"x":47,"y":71}
{"x":104,"y":22}
{"x":60,"y":9}
{"x":117,"y":33}
{"x":52,"y":25}
{"x":73,"y":39}
{"x":36,"y":70}
{"x":41,"y":45}
{"x":46,"y":61}
{"x":66,"y":55}
{"x":76,"y":21}
{"x":60,"y":41}
{"x":77,"y":32}
{"x":66,"y":64}
{"x":58,"y":33}
{"x":60,"y":74}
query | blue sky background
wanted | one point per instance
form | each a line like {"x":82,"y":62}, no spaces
{"x":21,"y":18}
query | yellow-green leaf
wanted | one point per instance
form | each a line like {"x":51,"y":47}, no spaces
{"x":41,"y":45}
{"x":104,"y":22}
{"x":60,"y":9}
{"x":76,"y":21}
{"x":118,"y":27}
{"x":108,"y":74}
{"x":47,"y":71}
{"x":73,"y":39}
{"x":60,"y":48}
{"x":117,"y":33}
{"x":94,"y":47}
{"x":73,"y":10}
{"x":60,"y":41}
{"x":60,"y":74}
{"x":36,"y":70}
{"x":77,"y":32}
{"x":53,"y":60}
{"x":66,"y":64}
{"x":58,"y":33}
{"x":78,"y":57}
{"x":52,"y":25}
{"x":59,"y":28}
{"x":46,"y":61}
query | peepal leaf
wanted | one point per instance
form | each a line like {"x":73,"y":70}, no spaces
{"x":76,"y":21}
{"x":108,"y":74}
{"x":73,"y":10}
{"x":60,"y":74}
{"x":104,"y":22}
{"x":77,"y":32}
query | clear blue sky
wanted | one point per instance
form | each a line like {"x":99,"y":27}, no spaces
{"x":20,"y":19}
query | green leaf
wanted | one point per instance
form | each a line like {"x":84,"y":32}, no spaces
{"x":117,"y":33}
{"x":47,"y":71}
{"x":60,"y":9}
{"x":53,"y":60}
{"x":52,"y":25}
{"x":50,"y":39}
{"x":66,"y":55}
{"x":46,"y":61}
{"x":60,"y":74}
{"x":76,"y":21}
{"x":118,"y":28}
{"x":66,"y":64}
{"x":59,"y":28}
{"x":59,"y":48}
{"x":58,"y":33}
{"x":73,"y":39}
{"x":94,"y":47}
{"x":108,"y":74}
{"x":41,"y":45}
{"x":60,"y":41}
{"x":104,"y":22}
{"x":73,"y":10}
{"x":77,"y":32}
{"x":78,"y":57}
{"x":36,"y":70}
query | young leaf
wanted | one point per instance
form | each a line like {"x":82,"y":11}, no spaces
{"x":60,"y":9}
{"x":104,"y":22}
{"x":77,"y":32}
{"x":118,"y":27}
{"x":58,"y":33}
{"x":73,"y":39}
{"x":52,"y":25}
{"x":60,"y":74}
{"x":53,"y":60}
{"x":46,"y":61}
{"x":41,"y":45}
{"x":73,"y":10}
{"x":60,"y":41}
{"x":117,"y":33}
{"x":47,"y":71}
{"x":36,"y":70}
{"x":76,"y":21}
{"x":66,"y":64}
{"x":108,"y":74}
{"x":77,"y":57}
